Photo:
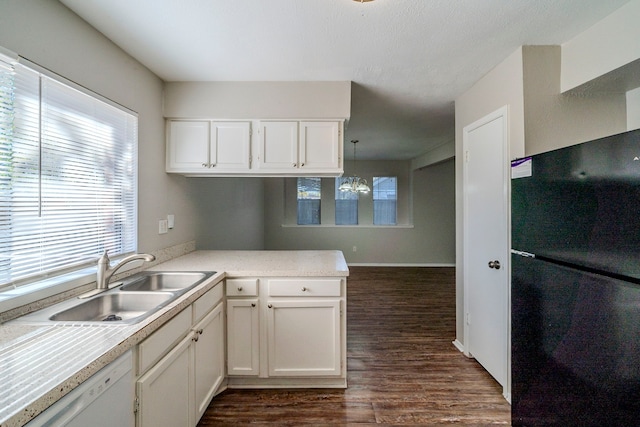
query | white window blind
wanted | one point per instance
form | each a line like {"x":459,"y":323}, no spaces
{"x":68,"y":176}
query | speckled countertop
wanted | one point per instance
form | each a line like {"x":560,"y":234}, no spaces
{"x":41,"y":363}
{"x":262,"y":263}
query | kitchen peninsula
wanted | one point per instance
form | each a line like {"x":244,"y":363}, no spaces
{"x":285,"y":298}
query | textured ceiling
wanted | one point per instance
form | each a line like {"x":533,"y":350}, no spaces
{"x":408,"y":59}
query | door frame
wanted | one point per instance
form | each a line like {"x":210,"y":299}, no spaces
{"x":501,"y":112}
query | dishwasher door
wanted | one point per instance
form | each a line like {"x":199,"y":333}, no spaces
{"x":104,"y":400}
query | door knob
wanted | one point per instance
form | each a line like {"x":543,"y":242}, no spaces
{"x":494,"y":264}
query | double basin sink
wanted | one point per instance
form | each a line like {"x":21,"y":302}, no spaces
{"x":138,"y":297}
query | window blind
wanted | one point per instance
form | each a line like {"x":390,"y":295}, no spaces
{"x":68,"y":176}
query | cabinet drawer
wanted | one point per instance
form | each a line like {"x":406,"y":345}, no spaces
{"x":206,"y":302}
{"x":242,"y":287}
{"x":162,"y":340}
{"x":304,"y":287}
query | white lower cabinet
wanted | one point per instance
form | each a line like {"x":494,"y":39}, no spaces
{"x":208,"y":356}
{"x":177,"y":381}
{"x":303,"y":337}
{"x":286,"y":332}
{"x":165,"y":392}
{"x":243,"y":337}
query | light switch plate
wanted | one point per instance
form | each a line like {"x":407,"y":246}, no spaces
{"x":171,"y":221}
{"x":163,"y":226}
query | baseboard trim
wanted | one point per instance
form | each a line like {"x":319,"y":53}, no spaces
{"x":457,"y":344}
{"x":384,"y":264}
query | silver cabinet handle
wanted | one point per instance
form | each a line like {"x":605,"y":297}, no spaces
{"x":200,"y":331}
{"x":301,"y":165}
{"x":204,"y":165}
{"x":270,"y":306}
{"x":253,"y":304}
{"x":494,"y":264}
{"x":295,"y":165}
{"x":239,"y":288}
{"x":304,"y":289}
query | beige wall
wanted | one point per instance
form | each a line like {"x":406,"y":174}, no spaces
{"x":502,"y":86}
{"x":49,"y":34}
{"x":230,"y":213}
{"x":553,"y":119}
{"x":430,"y":241}
{"x":258,"y":100}
{"x":609,"y":44}
{"x":540,"y":119}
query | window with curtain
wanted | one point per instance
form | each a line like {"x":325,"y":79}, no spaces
{"x":68,"y":176}
{"x":309,"y":196}
{"x":385,"y":200}
{"x":346,"y":206}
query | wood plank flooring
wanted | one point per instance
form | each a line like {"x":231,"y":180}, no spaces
{"x":402,"y":366}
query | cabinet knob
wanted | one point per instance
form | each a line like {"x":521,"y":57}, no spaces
{"x":200,"y":331}
{"x":204,"y":165}
{"x":239,"y":288}
{"x":270,"y":306}
{"x":301,"y":165}
{"x":295,"y":165}
{"x":212,"y":165}
{"x":194,"y":339}
{"x":304,"y":289}
{"x":253,"y":304}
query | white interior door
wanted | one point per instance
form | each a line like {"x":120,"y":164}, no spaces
{"x":486,"y":246}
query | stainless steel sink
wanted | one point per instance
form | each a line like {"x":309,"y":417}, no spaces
{"x":138,"y":297}
{"x":115,"y":307}
{"x":164,"y":281}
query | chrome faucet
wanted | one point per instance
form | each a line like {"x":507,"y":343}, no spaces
{"x":105,"y":273}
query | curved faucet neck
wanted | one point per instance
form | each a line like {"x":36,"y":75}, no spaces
{"x":105,"y":273}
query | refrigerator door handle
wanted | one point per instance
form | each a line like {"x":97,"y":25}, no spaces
{"x":522,"y":253}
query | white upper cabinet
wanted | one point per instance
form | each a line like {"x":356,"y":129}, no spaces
{"x":230,"y":145}
{"x":319,"y":146}
{"x":187,"y":146}
{"x":203,"y":147}
{"x":277,"y":148}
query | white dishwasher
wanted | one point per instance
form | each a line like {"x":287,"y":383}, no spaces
{"x":104,"y":400}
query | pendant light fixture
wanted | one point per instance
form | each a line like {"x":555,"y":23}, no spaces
{"x":354,"y":184}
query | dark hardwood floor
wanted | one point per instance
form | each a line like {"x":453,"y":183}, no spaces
{"x":402,"y":366}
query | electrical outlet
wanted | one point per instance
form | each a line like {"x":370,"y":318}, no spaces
{"x":163,"y":226}
{"x":355,"y":248}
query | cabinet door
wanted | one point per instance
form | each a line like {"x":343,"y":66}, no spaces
{"x":243,"y":339}
{"x":279,"y":145}
{"x":188,"y":146}
{"x":304,"y":337}
{"x":230,"y":146}
{"x":320,"y":147}
{"x":165,"y":392}
{"x":208,"y":358}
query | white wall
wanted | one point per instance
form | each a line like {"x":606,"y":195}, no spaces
{"x":47,"y":33}
{"x":609,"y":44}
{"x":430,"y":241}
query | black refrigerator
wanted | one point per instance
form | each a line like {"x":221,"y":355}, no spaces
{"x":575,"y":288}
